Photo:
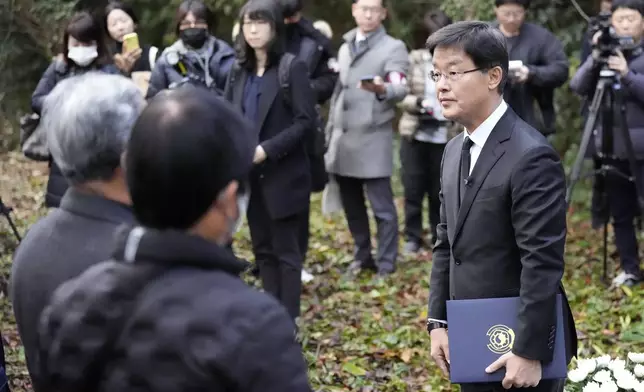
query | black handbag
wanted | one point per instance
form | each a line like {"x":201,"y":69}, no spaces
{"x":33,"y":139}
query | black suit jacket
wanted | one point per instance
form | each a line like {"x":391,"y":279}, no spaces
{"x":508,"y":238}
{"x":283,"y":127}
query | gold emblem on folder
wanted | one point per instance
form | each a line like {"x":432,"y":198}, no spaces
{"x":501,"y":339}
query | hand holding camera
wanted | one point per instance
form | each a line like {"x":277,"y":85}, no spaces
{"x":618,"y":63}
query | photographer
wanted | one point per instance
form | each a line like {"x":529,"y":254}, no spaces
{"x":628,"y":63}
{"x":197,"y":57}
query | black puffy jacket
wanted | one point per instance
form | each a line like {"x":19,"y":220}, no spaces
{"x":177,"y":318}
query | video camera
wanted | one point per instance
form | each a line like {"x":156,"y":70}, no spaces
{"x":190,"y":72}
{"x":609,"y":42}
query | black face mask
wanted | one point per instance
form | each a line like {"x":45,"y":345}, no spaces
{"x":194,"y":37}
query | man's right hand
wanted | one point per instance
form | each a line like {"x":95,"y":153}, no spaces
{"x":440,"y":349}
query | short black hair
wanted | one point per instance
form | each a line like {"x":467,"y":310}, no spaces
{"x":481,"y":41}
{"x":269,"y":11}
{"x":523,"y":3}
{"x":186,"y":147}
{"x":637,"y":5}
{"x":291,"y":7}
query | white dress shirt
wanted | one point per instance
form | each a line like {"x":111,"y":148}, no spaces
{"x":480,"y":135}
{"x":360,"y":37}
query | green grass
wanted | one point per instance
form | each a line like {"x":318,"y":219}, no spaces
{"x":367,"y":334}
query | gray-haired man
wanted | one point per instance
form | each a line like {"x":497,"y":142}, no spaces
{"x":88,"y":121}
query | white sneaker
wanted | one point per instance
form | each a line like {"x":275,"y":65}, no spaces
{"x":306,"y":277}
{"x":625,"y":279}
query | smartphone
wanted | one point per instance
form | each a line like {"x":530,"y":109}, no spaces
{"x":130,"y":42}
{"x":367,"y":79}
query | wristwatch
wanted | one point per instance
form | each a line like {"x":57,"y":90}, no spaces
{"x":433,"y":324}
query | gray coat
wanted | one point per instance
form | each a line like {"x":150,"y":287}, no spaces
{"x":360,"y":124}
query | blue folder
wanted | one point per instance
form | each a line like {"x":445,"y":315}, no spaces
{"x":481,"y":330}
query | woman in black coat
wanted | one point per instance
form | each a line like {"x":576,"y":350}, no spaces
{"x":83,"y":50}
{"x":283,"y":112}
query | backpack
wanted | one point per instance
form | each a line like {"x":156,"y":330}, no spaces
{"x":316,"y":144}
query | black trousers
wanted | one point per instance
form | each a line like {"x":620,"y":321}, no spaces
{"x":381,"y":198}
{"x":305,"y":232}
{"x":276,"y":245}
{"x":622,"y":204}
{"x":544,"y":386}
{"x":421,"y":171}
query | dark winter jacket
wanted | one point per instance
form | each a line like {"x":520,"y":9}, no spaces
{"x":174,"y":317}
{"x":57,"y":71}
{"x":208,"y":66}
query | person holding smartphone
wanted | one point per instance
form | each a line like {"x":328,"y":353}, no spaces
{"x":372,"y":67}
{"x":120,"y":22}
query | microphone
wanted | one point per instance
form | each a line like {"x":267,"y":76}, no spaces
{"x":469,"y":181}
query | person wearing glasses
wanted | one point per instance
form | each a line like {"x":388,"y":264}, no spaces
{"x":197,"y":58}
{"x":501,"y":170}
{"x":373,"y":67}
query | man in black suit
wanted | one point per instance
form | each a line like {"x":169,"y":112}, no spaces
{"x":502,"y":224}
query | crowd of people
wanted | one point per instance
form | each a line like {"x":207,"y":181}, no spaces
{"x":156,"y":155}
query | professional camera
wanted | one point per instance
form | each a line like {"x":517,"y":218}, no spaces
{"x":609,"y":42}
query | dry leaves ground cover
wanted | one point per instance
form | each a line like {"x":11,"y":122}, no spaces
{"x":362,"y":334}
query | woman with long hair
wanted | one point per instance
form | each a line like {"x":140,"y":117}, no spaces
{"x":119,"y":20}
{"x":83,"y":50}
{"x":280,"y":182}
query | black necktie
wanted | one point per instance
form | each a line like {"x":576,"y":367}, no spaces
{"x":360,"y":46}
{"x":465,"y":165}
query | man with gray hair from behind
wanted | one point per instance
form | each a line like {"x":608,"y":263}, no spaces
{"x":88,"y":120}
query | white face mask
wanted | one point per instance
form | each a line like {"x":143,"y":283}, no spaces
{"x":82,"y":55}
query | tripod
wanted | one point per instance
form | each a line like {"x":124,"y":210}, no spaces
{"x":6,"y":211}
{"x":608,"y":96}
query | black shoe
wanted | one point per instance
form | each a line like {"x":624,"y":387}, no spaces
{"x":411,"y":248}
{"x":386,"y":270}
{"x":358,"y":266}
{"x":255,"y":271}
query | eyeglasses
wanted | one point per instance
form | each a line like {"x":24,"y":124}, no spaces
{"x":373,"y":10}
{"x":452,"y":76}
{"x":515,"y":14}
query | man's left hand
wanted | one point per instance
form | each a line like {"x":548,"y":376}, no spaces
{"x":260,"y":155}
{"x":519,"y":372}
{"x":377,"y":87}
{"x":618,"y":63}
